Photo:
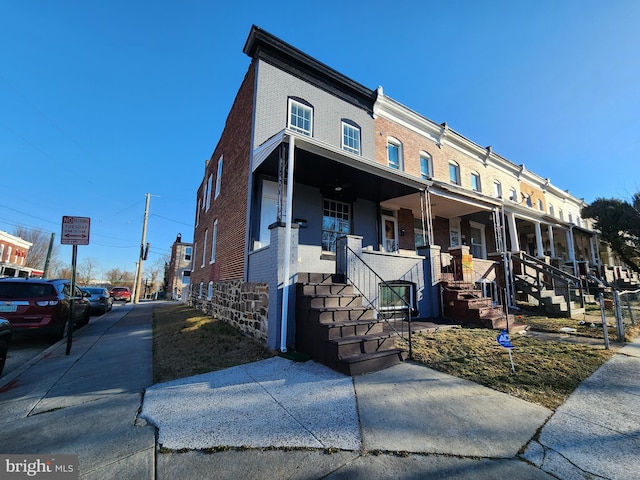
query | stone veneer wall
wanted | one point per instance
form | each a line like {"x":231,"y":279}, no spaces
{"x":243,"y":305}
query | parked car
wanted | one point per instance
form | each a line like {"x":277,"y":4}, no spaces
{"x":41,"y":306}
{"x":99,"y":298}
{"x":121,"y":293}
{"x":5,"y":338}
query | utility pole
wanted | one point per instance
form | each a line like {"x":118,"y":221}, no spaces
{"x":136,"y":296}
{"x":45,"y":272}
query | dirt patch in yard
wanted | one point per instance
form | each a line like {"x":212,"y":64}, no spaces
{"x":187,"y":342}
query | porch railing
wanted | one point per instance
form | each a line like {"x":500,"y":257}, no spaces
{"x":547,"y":276}
{"x":395,"y":310}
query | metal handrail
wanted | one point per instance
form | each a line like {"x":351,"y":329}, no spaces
{"x":361,"y":276}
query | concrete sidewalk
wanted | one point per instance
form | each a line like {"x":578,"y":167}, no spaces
{"x":85,"y":403}
{"x":284,"y":420}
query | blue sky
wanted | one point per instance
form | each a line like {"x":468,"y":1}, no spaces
{"x":102,"y":102}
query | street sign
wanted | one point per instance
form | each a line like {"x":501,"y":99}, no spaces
{"x":75,"y":230}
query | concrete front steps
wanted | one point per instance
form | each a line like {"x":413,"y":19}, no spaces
{"x":335,"y":329}
{"x":553,"y":304}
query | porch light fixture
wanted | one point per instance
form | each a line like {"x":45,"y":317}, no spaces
{"x":338,"y":188}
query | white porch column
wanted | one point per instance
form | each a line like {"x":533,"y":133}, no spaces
{"x":513,"y":232}
{"x":552,"y":246}
{"x":287,"y":247}
{"x":570,"y":248}
{"x":539,"y":244}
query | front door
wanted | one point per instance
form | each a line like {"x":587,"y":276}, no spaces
{"x":390,"y":234}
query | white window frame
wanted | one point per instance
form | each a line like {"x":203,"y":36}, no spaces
{"x":426,"y":165}
{"x":475,"y":178}
{"x":204,"y":246}
{"x":302,"y":106}
{"x":208,"y":190}
{"x":188,"y":251}
{"x":198,"y":213}
{"x":398,"y":145}
{"x":513,"y":195}
{"x":551,"y":211}
{"x":483,"y":239}
{"x":209,"y":291}
{"x":352,"y":132}
{"x":214,"y":241}
{"x":497,"y":189}
{"x":454,"y":167}
{"x":218,"y":177}
{"x":540,"y":205}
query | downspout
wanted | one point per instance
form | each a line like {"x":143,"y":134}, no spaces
{"x":287,"y":247}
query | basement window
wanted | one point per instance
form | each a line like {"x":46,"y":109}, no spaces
{"x":397,"y":296}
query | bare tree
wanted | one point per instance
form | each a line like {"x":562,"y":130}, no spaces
{"x":40,"y":246}
{"x":86,"y":270}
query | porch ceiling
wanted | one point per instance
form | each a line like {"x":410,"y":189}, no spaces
{"x":338,"y":179}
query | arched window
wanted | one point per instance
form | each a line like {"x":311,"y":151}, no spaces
{"x":300,"y":116}
{"x":475,"y":182}
{"x":426,"y":165}
{"x":350,"y":136}
{"x":394,"y":153}
{"x":454,"y":172}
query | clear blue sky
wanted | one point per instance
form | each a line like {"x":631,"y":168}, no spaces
{"x":102,"y":102}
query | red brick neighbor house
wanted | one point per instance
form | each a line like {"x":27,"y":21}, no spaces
{"x":328,"y":208}
{"x":13,"y":257}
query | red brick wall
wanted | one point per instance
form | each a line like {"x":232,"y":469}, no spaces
{"x":231,"y":205}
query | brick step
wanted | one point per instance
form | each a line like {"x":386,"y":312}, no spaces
{"x":349,"y":346}
{"x":317,"y":289}
{"x":332,"y":301}
{"x":320,"y":278}
{"x":340,"y":314}
{"x":370,"y":362}
{"x":331,"y":331}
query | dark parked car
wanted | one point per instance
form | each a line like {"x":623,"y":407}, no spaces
{"x":99,"y":299}
{"x":121,"y":293}
{"x":42,"y":306}
{"x":5,"y":338}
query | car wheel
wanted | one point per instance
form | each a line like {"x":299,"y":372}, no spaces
{"x":4,"y":348}
{"x":62,"y":332}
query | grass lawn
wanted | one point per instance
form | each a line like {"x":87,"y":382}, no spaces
{"x":187,"y":342}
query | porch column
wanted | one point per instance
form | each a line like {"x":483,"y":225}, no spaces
{"x":513,"y":232}
{"x":592,"y":251}
{"x":539,"y":244}
{"x":570,"y":248}
{"x":552,"y":246}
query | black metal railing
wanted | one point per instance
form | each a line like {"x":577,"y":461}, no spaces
{"x":382,"y":296}
{"x":548,"y":277}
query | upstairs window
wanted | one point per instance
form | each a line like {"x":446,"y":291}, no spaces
{"x":540,"y":205}
{"x":551,"y":211}
{"x":350,"y":137}
{"x":187,"y":254}
{"x":527,"y":200}
{"x":513,"y":196}
{"x":218,"y":178}
{"x":454,"y":173}
{"x":475,"y":182}
{"x":394,"y":154}
{"x":208,"y":190}
{"x":425,"y":166}
{"x":214,"y":241}
{"x":300,"y":117}
{"x":497,"y":189}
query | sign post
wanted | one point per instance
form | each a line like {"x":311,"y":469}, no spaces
{"x":75,"y":231}
{"x":503,"y":339}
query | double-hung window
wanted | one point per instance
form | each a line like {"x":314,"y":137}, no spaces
{"x":218,"y":178}
{"x":209,"y":185}
{"x":394,"y":154}
{"x":454,"y":173}
{"x":497,"y":189}
{"x":475,"y":182}
{"x":425,"y":165}
{"x":214,"y":241}
{"x":300,"y":117}
{"x":513,"y":196}
{"x":350,"y":137}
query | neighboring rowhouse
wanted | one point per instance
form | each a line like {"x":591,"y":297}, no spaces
{"x":338,"y":178}
{"x":13,"y":257}
{"x":179,"y":269}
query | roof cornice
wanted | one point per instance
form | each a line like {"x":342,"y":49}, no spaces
{"x":264,"y":46}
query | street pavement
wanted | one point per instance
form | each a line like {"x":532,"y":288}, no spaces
{"x":286,"y":420}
